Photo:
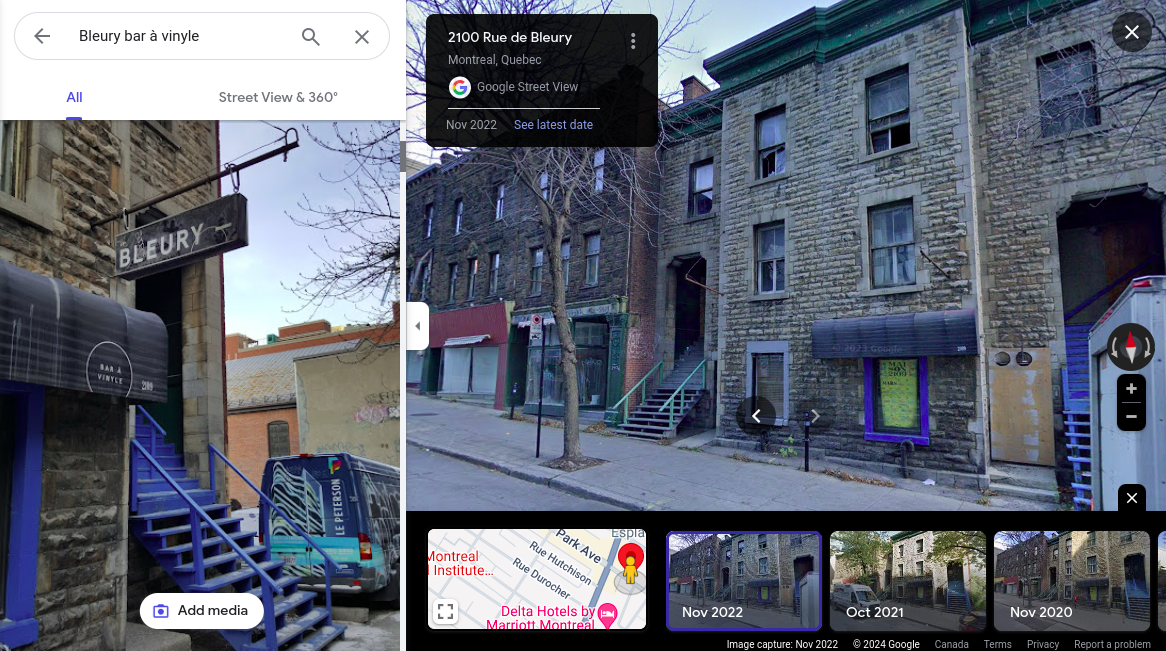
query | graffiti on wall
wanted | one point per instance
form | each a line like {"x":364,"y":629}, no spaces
{"x":376,"y":414}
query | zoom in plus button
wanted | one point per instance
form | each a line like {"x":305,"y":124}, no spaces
{"x":1131,"y":402}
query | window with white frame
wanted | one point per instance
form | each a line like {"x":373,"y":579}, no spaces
{"x":888,"y":111}
{"x":763,"y":565}
{"x":471,"y":278}
{"x":762,"y":541}
{"x":1067,"y":83}
{"x":770,"y":252}
{"x":591,"y":275}
{"x":740,"y":568}
{"x":770,"y":133}
{"x":598,"y":161}
{"x":565,"y":254}
{"x":536,"y":271}
{"x":428,"y":220}
{"x":740,"y":546}
{"x":1092,"y":564}
{"x":453,"y":273}
{"x":12,"y":158}
{"x":892,"y":245}
{"x":919,"y":546}
{"x":458,"y":207}
{"x":495,"y":268}
{"x":918,"y":568}
{"x":499,"y":201}
{"x":700,"y":188}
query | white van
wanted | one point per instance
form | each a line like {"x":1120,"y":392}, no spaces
{"x":854,"y":595}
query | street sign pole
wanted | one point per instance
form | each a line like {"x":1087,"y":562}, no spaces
{"x":538,"y":435}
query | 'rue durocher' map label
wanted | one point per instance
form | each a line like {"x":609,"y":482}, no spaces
{"x":537,"y":579}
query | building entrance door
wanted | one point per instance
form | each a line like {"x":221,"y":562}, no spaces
{"x":7,"y":454}
{"x":689,"y":305}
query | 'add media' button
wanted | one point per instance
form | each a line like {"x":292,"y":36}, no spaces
{"x":177,"y":611}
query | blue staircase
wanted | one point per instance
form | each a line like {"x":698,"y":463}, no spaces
{"x":167,"y":506}
{"x":957,"y":598}
{"x":798,"y":599}
{"x":1075,"y":389}
{"x":1137,"y":600}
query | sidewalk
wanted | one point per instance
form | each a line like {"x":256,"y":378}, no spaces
{"x":641,"y":475}
{"x":1083,"y":618}
{"x":933,"y":616}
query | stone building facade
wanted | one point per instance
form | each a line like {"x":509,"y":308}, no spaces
{"x":917,"y":578}
{"x":477,"y":256}
{"x":896,"y":235}
{"x":1100,"y":567}
{"x":1021,"y":568}
{"x":73,"y":571}
{"x":765,"y":568}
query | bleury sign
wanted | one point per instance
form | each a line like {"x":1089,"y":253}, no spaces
{"x":210,"y":229}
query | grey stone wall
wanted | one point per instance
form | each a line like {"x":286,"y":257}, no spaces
{"x":1027,"y":180}
{"x":829,"y":183}
{"x":78,"y":172}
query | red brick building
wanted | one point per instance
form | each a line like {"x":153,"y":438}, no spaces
{"x":262,"y":419}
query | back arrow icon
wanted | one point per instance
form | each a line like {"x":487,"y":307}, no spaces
{"x":755,"y":418}
{"x":39,"y":36}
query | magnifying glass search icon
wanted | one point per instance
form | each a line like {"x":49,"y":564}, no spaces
{"x":309,"y":34}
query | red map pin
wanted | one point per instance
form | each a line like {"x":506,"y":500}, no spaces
{"x":633,"y":550}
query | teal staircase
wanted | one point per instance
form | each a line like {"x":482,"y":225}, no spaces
{"x":1137,"y":600}
{"x":167,"y":506}
{"x":664,"y":407}
{"x":957,"y":598}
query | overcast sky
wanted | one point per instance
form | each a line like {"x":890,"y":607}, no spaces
{"x":278,"y":250}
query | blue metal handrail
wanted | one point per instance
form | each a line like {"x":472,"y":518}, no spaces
{"x":264,"y":525}
{"x":197,"y":515}
{"x":1108,"y":288}
{"x":642,"y":386}
{"x":681,"y":391}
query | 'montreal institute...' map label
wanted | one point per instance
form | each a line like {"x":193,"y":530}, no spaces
{"x":537,"y":579}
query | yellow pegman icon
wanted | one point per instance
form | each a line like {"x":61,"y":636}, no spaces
{"x":629,"y":572}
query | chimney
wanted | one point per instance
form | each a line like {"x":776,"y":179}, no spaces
{"x":447,"y":158}
{"x":693,"y":88}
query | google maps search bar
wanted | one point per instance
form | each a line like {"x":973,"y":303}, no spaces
{"x":202,"y":36}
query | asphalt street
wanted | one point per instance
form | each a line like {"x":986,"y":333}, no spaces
{"x":440,"y":483}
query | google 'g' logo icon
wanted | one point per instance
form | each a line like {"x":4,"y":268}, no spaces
{"x":459,"y":87}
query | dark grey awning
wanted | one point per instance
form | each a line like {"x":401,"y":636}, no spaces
{"x":54,"y":334}
{"x":918,"y":581}
{"x":1092,"y":583}
{"x":920,"y":334}
{"x":763,"y":583}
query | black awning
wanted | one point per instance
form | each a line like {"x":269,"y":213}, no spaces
{"x":920,"y":334}
{"x":1092,"y":583}
{"x":918,"y":581}
{"x":763,"y":583}
{"x":54,"y":334}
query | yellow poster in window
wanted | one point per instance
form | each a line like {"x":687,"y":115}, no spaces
{"x":899,"y":393}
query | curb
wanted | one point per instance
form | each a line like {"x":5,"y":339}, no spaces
{"x":538,"y":475}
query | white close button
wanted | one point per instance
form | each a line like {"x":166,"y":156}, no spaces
{"x":416,"y":326}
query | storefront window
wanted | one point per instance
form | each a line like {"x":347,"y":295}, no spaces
{"x":591,"y":366}
{"x":897,"y":400}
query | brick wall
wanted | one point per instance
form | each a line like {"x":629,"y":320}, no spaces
{"x":248,"y":448}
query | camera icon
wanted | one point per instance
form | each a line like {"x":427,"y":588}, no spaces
{"x":161,"y":611}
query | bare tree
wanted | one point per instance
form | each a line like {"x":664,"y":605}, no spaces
{"x":563,"y":181}
{"x":1097,"y":84}
{"x":698,"y":548}
{"x":360,"y":267}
